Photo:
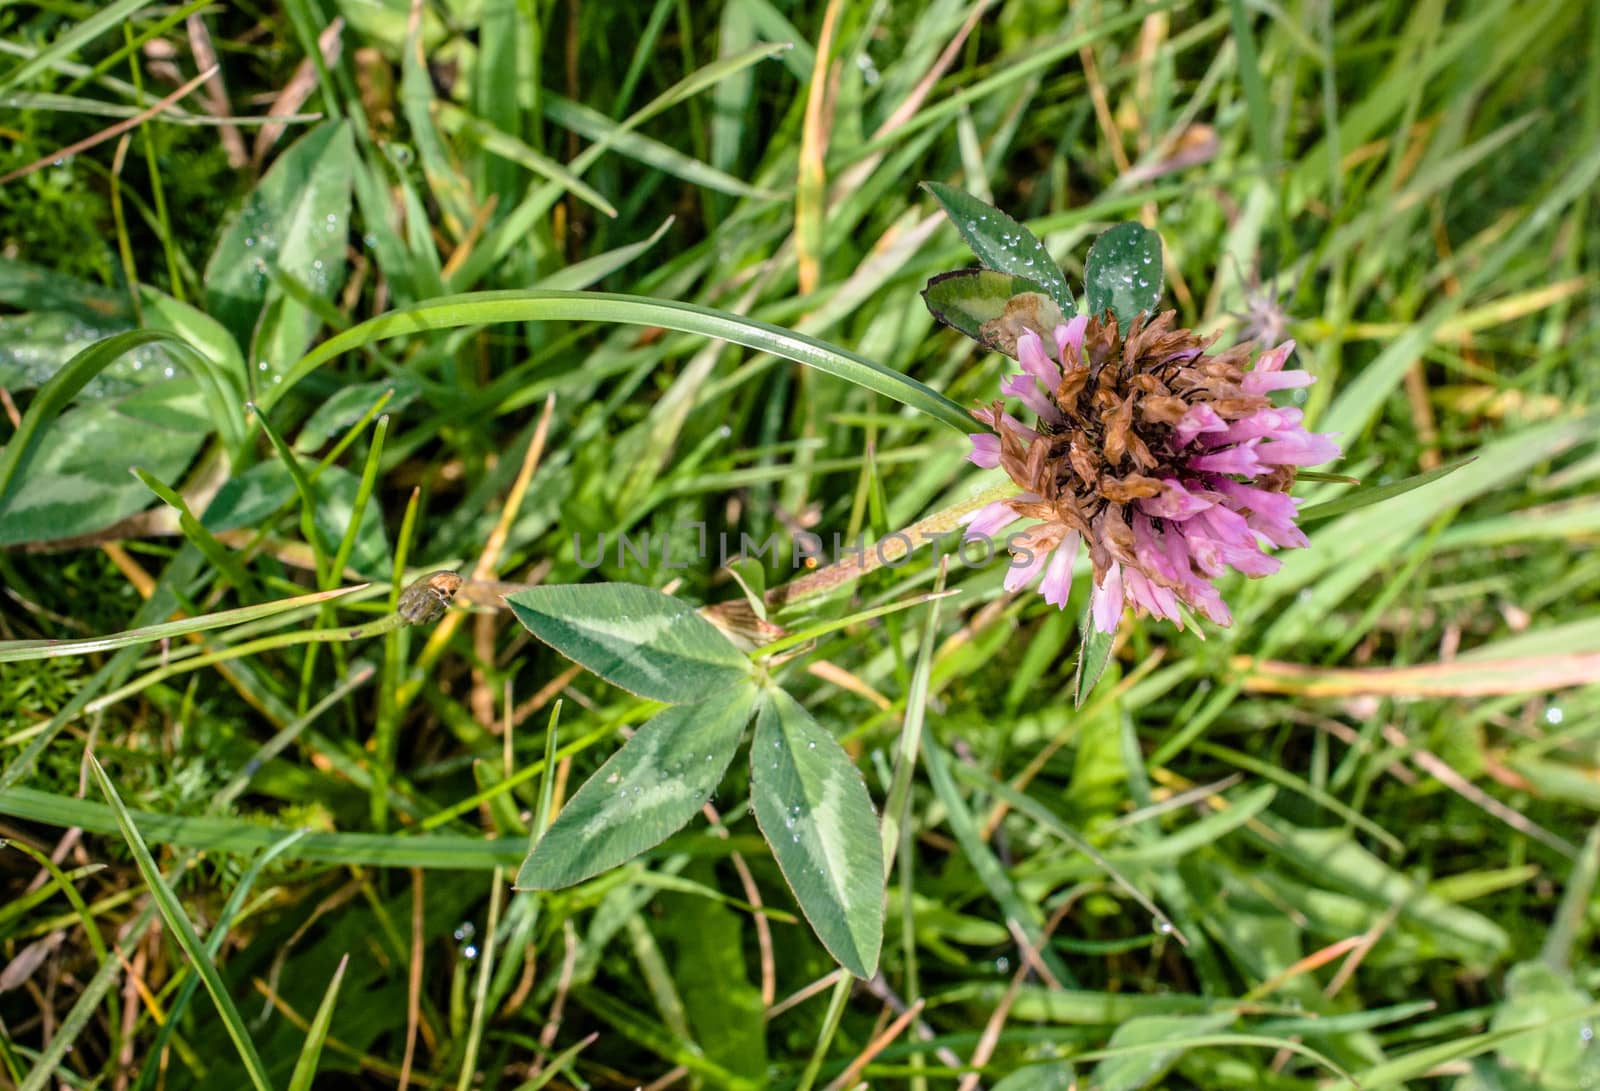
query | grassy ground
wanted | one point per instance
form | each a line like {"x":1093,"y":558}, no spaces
{"x":1364,"y":812}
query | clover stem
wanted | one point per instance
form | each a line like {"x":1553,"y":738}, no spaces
{"x":889,"y":549}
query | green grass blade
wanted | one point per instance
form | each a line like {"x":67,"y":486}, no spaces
{"x":77,"y":34}
{"x":1360,"y":498}
{"x":14,"y":650}
{"x":305,"y":1067}
{"x":182,"y":930}
{"x":46,"y":1066}
{"x":487,"y":308}
{"x":237,"y":835}
{"x":991,"y":873}
{"x":460,"y":123}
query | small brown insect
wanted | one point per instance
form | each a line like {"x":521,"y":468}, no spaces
{"x":427,"y":599}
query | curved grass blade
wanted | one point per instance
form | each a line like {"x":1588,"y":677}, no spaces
{"x":76,"y":35}
{"x":1206,"y":1041}
{"x":55,"y":395}
{"x":182,"y":930}
{"x":12,"y":651}
{"x":486,"y":308}
{"x":1152,"y":1045}
{"x":581,"y":274}
{"x":644,"y":793}
{"x":214,"y":941}
{"x":593,"y":125}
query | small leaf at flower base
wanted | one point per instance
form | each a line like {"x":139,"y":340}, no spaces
{"x":1123,"y":273}
{"x":1002,"y":244}
{"x":1377,"y":494}
{"x":814,"y":810}
{"x":648,"y":643}
{"x":1094,"y":654}
{"x":643,"y":794}
{"x":992,"y":308}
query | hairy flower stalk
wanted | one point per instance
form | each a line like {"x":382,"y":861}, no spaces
{"x":1171,"y":466}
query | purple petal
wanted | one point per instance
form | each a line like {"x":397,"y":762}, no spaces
{"x":1205,"y":599}
{"x":1152,"y":598}
{"x":1107,"y":600}
{"x":1031,"y":355}
{"x":1026,"y":387}
{"x":1274,"y":359}
{"x":1263,"y":382}
{"x":1298,"y":449}
{"x":1197,"y":419}
{"x":1149,"y":549}
{"x":1263,"y":422}
{"x":1276,"y":506}
{"x":1028,"y":434}
{"x":1174,"y":501}
{"x":1022,"y":571}
{"x":988,"y":520}
{"x":985,"y":450}
{"x":1069,"y":340}
{"x":1058,"y":576}
{"x":1240,"y":460}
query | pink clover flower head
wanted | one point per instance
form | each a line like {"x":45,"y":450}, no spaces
{"x":1169,"y":466}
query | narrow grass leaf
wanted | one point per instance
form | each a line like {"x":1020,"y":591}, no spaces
{"x":593,"y":125}
{"x":1044,"y":1076}
{"x":182,"y":930}
{"x":460,"y":123}
{"x":1416,"y":1064}
{"x":215,"y":938}
{"x":55,"y":395}
{"x":305,"y":1066}
{"x":240,"y":835}
{"x":14,"y":650}
{"x":76,"y":35}
{"x":991,"y":873}
{"x":814,"y":810}
{"x":1360,"y":498}
{"x":581,"y":274}
{"x":644,"y":793}
{"x":1002,"y":244}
